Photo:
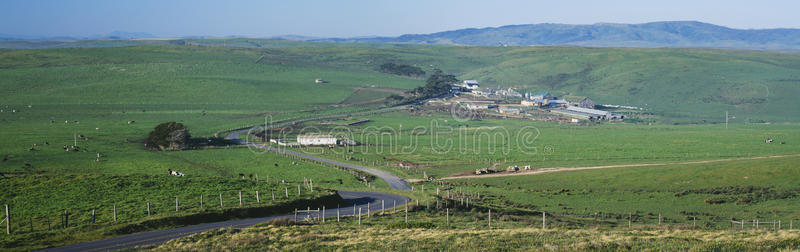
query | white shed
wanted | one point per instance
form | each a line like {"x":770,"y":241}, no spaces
{"x":316,"y":139}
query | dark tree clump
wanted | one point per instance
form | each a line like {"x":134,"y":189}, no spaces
{"x":403,"y":70}
{"x":168,"y":136}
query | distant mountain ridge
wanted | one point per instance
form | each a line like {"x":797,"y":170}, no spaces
{"x":655,"y":34}
{"x":111,"y":36}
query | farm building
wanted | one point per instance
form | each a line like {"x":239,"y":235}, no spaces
{"x":470,"y":84}
{"x":589,"y":114}
{"x":586,"y":103}
{"x":508,"y":110}
{"x":528,"y":103}
{"x":542,"y":96}
{"x":316,"y":139}
{"x":556,"y":103}
{"x":478,"y":105}
{"x":576,"y":114}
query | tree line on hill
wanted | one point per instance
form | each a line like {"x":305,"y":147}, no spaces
{"x":402,"y":70}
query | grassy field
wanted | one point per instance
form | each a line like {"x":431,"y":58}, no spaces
{"x":712,"y":193}
{"x":440,"y":145}
{"x":398,"y":237}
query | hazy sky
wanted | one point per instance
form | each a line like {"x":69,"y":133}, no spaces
{"x":346,"y":18}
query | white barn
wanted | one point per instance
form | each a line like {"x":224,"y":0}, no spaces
{"x":316,"y":139}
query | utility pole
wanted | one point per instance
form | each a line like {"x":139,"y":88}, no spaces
{"x":726,"y":119}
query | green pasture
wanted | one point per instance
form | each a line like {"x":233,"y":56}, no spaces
{"x":441,"y":145}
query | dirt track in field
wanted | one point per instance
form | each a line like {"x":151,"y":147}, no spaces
{"x":580,"y":168}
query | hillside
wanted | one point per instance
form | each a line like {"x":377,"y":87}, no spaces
{"x":676,"y":85}
{"x":681,"y":34}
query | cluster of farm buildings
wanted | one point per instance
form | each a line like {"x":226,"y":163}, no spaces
{"x":583,"y":108}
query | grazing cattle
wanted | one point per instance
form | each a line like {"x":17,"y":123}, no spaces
{"x":175,"y":173}
{"x":783,"y":142}
{"x":769,"y":140}
{"x":241,"y":175}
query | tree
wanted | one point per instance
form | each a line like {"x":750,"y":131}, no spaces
{"x":168,"y":136}
{"x":438,"y":84}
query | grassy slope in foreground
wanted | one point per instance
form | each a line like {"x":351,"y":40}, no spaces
{"x":336,"y":236}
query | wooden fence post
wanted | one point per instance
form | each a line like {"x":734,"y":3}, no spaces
{"x":694,"y":221}
{"x":115,"y":213}
{"x":406,"y":211}
{"x":201,"y":200}
{"x":93,"y":219}
{"x":287,"y":191}
{"x":659,"y":219}
{"x":220,"y":200}
{"x":447,"y":216}
{"x":8,"y":221}
{"x":359,"y":216}
{"x":176,"y":203}
{"x":66,"y":219}
{"x":323,"y":214}
{"x":273,"y":194}
{"x":298,"y":190}
{"x":544,"y":220}
{"x":630,"y":218}
{"x":382,"y":207}
{"x":338,"y":212}
{"x":369,"y":212}
{"x":240,"y":198}
{"x":148,"y":208}
{"x":258,"y":200}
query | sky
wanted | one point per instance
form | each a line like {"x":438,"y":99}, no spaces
{"x":351,"y":18}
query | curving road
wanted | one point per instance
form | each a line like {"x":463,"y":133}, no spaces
{"x":364,"y":201}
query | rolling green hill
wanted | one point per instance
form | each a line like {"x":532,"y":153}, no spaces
{"x":680,"y":85}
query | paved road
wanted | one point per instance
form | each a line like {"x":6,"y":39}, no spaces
{"x":359,"y":200}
